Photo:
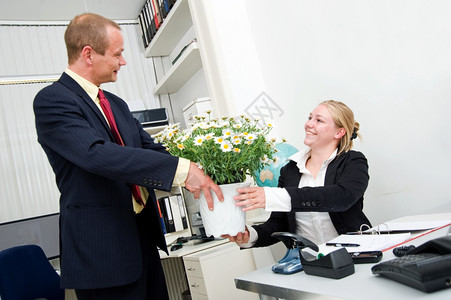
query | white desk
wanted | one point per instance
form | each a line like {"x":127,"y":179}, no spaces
{"x":174,"y":268}
{"x":360,"y":285}
{"x":207,"y":269}
{"x":192,"y":247}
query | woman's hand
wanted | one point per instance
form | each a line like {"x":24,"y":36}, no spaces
{"x":251,"y":198}
{"x":240,"y":238}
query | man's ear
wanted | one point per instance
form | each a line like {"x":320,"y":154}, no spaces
{"x":87,"y":54}
{"x":340,"y":133}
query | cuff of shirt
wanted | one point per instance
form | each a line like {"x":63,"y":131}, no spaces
{"x":253,"y":236}
{"x":277,"y":199}
{"x":182,"y":172}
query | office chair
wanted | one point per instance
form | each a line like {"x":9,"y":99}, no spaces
{"x":26,"y":273}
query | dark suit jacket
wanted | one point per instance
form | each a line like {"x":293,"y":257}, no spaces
{"x":342,"y":196}
{"x":99,"y":238}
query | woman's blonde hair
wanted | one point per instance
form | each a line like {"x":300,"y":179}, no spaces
{"x":343,"y":118}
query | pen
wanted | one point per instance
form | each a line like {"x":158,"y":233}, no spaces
{"x":342,"y":245}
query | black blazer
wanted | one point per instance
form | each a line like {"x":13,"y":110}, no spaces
{"x":342,"y":196}
{"x":99,"y":238}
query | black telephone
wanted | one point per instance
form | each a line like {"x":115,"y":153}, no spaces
{"x":426,"y":267}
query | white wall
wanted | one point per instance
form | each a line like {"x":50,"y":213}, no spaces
{"x":37,"y":51}
{"x":388,"y":60}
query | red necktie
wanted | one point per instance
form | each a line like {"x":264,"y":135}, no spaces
{"x":105,"y":104}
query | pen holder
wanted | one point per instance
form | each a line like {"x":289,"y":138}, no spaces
{"x":336,"y":265}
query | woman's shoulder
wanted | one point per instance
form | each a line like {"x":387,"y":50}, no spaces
{"x":290,"y":165}
{"x":354,"y":154}
{"x":351,"y":156}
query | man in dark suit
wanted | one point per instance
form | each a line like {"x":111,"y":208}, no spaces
{"x":108,"y":240}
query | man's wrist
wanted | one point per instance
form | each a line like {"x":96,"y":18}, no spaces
{"x":181,"y":172}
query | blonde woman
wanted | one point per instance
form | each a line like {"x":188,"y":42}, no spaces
{"x":320,"y":193}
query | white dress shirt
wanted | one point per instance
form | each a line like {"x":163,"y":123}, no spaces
{"x":315,"y":226}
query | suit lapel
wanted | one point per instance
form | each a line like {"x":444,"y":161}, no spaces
{"x":72,"y":85}
{"x":118,"y":112}
{"x":121,"y":123}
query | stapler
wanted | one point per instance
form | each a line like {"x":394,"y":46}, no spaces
{"x":291,"y":262}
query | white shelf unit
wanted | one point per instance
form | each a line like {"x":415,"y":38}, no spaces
{"x":180,"y":72}
{"x":171,"y":31}
{"x":174,"y":27}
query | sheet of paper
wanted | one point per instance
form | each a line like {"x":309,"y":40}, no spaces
{"x":409,"y":226}
{"x":366,"y":242}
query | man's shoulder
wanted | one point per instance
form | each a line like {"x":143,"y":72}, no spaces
{"x":56,"y":85}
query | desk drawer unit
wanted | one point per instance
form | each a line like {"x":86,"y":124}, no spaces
{"x":197,"y":285}
{"x":197,"y":296}
{"x":211,"y":272}
{"x":193,"y":268}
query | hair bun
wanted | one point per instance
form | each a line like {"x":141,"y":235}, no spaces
{"x":354,"y":133}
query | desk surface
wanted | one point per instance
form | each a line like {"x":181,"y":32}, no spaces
{"x":360,"y":285}
{"x":192,"y":247}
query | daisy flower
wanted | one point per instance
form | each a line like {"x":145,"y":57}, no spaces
{"x":227,"y":132}
{"x":251,"y":137}
{"x":209,"y":136}
{"x":226,"y":146}
{"x":219,"y":139}
{"x":236,"y":141}
{"x":264,"y":159}
{"x":198,"y":140}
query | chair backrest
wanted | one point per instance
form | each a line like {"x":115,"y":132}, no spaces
{"x":26,"y":273}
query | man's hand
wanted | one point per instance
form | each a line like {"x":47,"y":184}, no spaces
{"x":197,"y":182}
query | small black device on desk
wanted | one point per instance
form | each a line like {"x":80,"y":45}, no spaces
{"x":366,"y":257}
{"x":336,"y":264}
{"x":178,"y":244}
{"x":427,"y":267}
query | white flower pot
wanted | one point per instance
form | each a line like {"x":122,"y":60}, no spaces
{"x":226,"y":217}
